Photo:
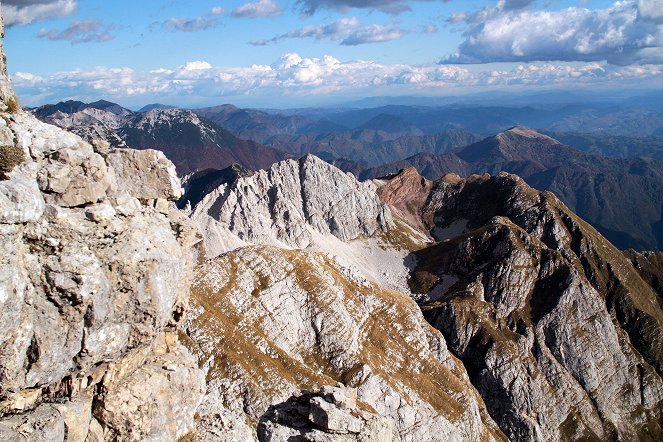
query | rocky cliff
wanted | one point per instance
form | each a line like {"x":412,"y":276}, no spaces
{"x":287,"y":205}
{"x":558,"y":331}
{"x":301,"y":204}
{"x":94,"y":276}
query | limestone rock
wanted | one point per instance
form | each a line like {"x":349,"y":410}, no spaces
{"x":145,"y":174}
{"x":44,"y":424}
{"x":330,"y":414}
{"x":287,"y":205}
{"x":20,"y":198}
{"x":90,"y":277}
{"x":157,"y":401}
{"x":557,"y":330}
{"x":266,"y":321}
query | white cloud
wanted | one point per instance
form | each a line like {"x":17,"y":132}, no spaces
{"x":196,"y":24}
{"x":292,"y":74}
{"x":348,"y":30}
{"x":651,"y":9}
{"x":84,"y":31}
{"x":259,"y":8}
{"x":622,"y":34}
{"x":23,"y":12}
{"x":388,"y":6}
{"x":197,"y":66}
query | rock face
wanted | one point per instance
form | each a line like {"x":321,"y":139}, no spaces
{"x":405,"y":194}
{"x":287,"y":205}
{"x":95,"y":269}
{"x":7,"y":96}
{"x":266,"y":322}
{"x":330,"y":414}
{"x":558,"y":331}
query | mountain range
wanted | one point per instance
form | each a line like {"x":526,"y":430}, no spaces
{"x":294,"y":302}
{"x":621,"y":197}
{"x":614,"y":182}
{"x":190,"y":142}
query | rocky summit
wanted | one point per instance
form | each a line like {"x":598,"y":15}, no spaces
{"x":296,"y":303}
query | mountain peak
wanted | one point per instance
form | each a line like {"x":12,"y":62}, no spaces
{"x":522,"y":131}
{"x":149,"y":107}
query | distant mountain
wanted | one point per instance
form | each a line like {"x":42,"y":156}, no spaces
{"x":621,"y":197}
{"x":391,"y":124}
{"x":618,"y":146}
{"x":71,"y":107}
{"x":487,"y":119}
{"x":260,"y":126}
{"x":191,"y":142}
{"x":149,"y":107}
{"x":370,"y":147}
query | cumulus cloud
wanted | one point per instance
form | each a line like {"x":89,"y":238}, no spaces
{"x":374,"y":34}
{"x":389,"y":6}
{"x":84,"y":31}
{"x":260,"y":8}
{"x":293,"y":74}
{"x":651,"y":9}
{"x":625,"y":33}
{"x":347,"y":29}
{"x":195,"y":24}
{"x":23,"y":12}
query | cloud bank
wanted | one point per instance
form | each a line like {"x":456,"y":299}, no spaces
{"x":293,"y":74}
{"x":23,"y":12}
{"x":628,"y":32}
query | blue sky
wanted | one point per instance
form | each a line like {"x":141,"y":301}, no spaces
{"x":284,"y":53}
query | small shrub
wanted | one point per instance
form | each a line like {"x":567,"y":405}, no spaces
{"x":10,"y":157}
{"x":12,"y":105}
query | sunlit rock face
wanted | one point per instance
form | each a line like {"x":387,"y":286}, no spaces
{"x":558,"y":331}
{"x":288,"y":205}
{"x":266,"y":322}
{"x":96,"y":263}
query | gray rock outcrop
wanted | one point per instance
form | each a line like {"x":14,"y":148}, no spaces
{"x":8,"y":100}
{"x":329,"y":414}
{"x":95,"y":267}
{"x":287,"y":205}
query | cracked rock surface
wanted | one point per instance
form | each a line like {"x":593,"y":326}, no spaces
{"x":94,"y":275}
{"x":558,"y":331}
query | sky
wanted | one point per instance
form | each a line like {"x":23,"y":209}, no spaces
{"x":293,"y":53}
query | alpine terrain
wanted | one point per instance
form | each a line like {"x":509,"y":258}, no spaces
{"x":208,"y":288}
